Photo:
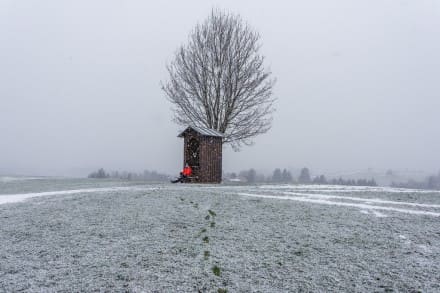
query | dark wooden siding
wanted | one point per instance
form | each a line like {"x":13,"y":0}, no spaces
{"x":210,"y":157}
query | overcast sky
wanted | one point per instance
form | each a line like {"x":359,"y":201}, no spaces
{"x":358,"y":84}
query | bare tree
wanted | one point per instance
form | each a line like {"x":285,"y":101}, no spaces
{"x":218,"y":80}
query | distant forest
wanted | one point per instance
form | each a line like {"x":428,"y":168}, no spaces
{"x":431,"y":182}
{"x":278,"y":176}
{"x":285,"y":176}
{"x":124,"y":175}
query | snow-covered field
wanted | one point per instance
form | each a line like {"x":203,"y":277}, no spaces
{"x":90,"y":235}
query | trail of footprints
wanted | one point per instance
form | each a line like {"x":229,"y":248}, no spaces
{"x":210,"y":224}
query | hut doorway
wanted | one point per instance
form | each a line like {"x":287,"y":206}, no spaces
{"x":194,"y":152}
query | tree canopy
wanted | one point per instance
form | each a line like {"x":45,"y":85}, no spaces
{"x":218,"y":80}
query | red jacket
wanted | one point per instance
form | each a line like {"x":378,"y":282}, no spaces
{"x":187,"y":171}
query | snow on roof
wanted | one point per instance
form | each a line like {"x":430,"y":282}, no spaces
{"x":202,"y":131}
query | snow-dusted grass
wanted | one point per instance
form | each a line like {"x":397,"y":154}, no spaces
{"x":185,"y":238}
{"x":13,"y":198}
{"x":321,"y":199}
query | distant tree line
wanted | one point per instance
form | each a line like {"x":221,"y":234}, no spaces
{"x":100,"y":174}
{"x":353,"y":182}
{"x":124,"y":175}
{"x":285,"y":176}
{"x":431,"y":182}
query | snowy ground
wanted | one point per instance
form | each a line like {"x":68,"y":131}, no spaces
{"x":86,"y":235}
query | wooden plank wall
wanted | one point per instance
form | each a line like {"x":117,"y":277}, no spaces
{"x":210,"y":157}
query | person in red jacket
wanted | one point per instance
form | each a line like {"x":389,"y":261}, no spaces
{"x":186,"y":172}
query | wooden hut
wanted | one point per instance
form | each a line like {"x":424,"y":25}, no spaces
{"x":202,"y":150}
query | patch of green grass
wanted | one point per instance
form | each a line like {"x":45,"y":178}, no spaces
{"x":206,"y":239}
{"x":121,"y":277}
{"x":206,"y":254}
{"x":212,"y":213}
{"x":201,"y":232}
{"x":216,"y":270}
{"x":212,"y":224}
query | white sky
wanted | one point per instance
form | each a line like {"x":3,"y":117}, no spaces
{"x":358,"y":84}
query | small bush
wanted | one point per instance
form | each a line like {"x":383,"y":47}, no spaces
{"x":206,"y":239}
{"x":212,"y":224}
{"x":206,"y":254}
{"x":212,"y":213}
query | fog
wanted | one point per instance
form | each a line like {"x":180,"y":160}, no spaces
{"x":358,"y":84}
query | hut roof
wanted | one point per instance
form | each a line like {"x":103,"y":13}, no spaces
{"x":203,"y":131}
